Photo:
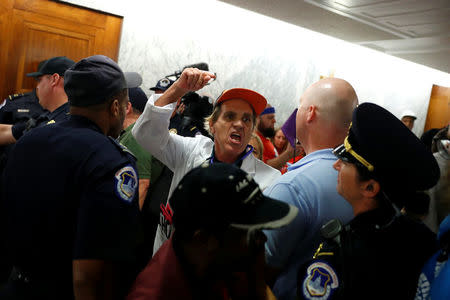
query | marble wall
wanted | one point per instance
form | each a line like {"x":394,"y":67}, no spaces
{"x":248,"y":50}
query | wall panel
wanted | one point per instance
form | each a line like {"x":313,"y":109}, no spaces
{"x":40,"y":29}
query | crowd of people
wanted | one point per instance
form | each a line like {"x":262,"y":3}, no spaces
{"x":109,"y":194}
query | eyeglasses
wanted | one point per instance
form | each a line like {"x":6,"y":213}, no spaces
{"x":347,"y":154}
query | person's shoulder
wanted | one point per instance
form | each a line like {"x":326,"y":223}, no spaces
{"x":261,"y":166}
{"x":21,"y":98}
{"x":14,"y":97}
{"x":199,"y":142}
{"x":318,"y":164}
{"x":122,"y":149}
{"x":104,"y":154}
{"x":85,"y":136}
{"x":416,"y":228}
{"x":104,"y":148}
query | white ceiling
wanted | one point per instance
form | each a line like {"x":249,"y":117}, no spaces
{"x":415,"y":30}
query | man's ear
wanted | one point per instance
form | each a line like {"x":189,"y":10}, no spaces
{"x":114,"y":108}
{"x":211,"y":128}
{"x":371,"y":188}
{"x":311,"y":113}
{"x":55,"y":79}
{"x":129,"y":107}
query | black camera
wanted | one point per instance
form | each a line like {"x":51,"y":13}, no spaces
{"x":201,"y":66}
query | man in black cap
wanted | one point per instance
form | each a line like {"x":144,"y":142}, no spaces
{"x":71,"y":195}
{"x":216,"y":235}
{"x":162,"y":85}
{"x":380,"y":253}
{"x":51,"y":95}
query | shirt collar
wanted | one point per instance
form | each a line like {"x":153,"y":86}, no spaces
{"x":323,"y":154}
{"x":238,"y":162}
{"x":60,"y":109}
{"x":85,"y":122}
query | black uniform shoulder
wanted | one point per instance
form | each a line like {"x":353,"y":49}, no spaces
{"x":31,"y":96}
{"x":122,"y":148}
{"x":20,"y":107}
{"x":415,"y":233}
{"x":12,"y":97}
{"x":105,"y":154}
{"x":83,"y":141}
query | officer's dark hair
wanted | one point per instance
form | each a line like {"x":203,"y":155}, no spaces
{"x":363,"y":173}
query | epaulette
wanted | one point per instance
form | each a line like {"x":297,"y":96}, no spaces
{"x":15,"y":96}
{"x":121,"y":147}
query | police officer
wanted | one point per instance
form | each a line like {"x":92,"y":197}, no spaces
{"x":71,"y":195}
{"x":21,"y":107}
{"x":379,"y":254}
{"x":51,"y":95}
{"x":162,"y":85}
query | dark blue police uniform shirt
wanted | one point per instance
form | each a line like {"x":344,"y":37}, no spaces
{"x":19,"y":108}
{"x":70,"y":193}
{"x":58,"y":115}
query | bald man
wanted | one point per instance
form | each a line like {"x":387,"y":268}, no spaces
{"x":323,"y":119}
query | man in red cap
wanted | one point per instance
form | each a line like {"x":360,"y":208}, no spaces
{"x":231,"y":124}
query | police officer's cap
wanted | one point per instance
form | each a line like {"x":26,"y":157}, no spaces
{"x":93,"y":80}
{"x":383,"y":145}
{"x":162,"y":84}
{"x":53,"y":65}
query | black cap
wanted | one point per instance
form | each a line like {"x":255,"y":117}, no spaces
{"x":224,"y":195}
{"x":137,"y":98}
{"x":53,"y":65}
{"x":383,"y":145}
{"x":93,"y":80}
{"x":163,"y":84}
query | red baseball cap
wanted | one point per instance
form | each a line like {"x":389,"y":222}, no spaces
{"x":256,"y":100}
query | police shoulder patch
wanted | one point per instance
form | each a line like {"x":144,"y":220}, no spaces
{"x":320,"y":281}
{"x":126,"y":183}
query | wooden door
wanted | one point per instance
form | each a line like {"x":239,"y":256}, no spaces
{"x":438,"y":114}
{"x":35,"y":30}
